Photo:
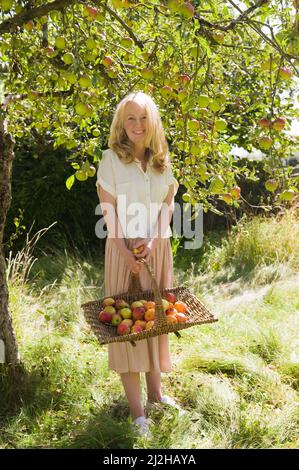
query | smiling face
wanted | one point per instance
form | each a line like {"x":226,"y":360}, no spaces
{"x":135,"y":123}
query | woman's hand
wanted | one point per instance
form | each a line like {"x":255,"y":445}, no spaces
{"x":133,"y":264}
{"x":143,"y":248}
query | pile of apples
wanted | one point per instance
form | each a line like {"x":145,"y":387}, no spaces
{"x":140,"y":314}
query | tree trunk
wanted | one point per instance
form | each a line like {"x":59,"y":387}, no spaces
{"x":7,"y":334}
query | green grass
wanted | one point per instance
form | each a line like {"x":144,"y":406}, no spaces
{"x":237,"y":379}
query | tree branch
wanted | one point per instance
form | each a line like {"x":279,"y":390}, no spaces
{"x":234,"y":22}
{"x":243,"y":18}
{"x":12,"y":97}
{"x":137,"y":41}
{"x":244,"y":14}
{"x":11,"y":24}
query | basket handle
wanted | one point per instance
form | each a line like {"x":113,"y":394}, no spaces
{"x":134,"y":283}
{"x":160,"y":317}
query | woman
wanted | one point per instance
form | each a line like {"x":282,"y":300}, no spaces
{"x":136,"y":189}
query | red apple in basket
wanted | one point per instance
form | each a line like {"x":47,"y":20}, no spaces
{"x":142,"y":323}
{"x":171,"y":311}
{"x":105,"y":317}
{"x":108,"y":301}
{"x":136,"y":329}
{"x":135,"y":304}
{"x":116,"y":319}
{"x":170,"y":297}
{"x":120,"y":303}
{"x":123,"y":328}
{"x":181,"y":317}
{"x":138,"y":313}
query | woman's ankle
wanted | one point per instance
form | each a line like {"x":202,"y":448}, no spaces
{"x":135,"y":415}
{"x":154,"y":398}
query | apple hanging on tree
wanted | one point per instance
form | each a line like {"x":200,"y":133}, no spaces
{"x":279,"y":123}
{"x":91,"y":12}
{"x":227,"y":197}
{"x":60,"y":42}
{"x":147,"y":73}
{"x":220,"y":124}
{"x":166,"y":91}
{"x":265,"y":142}
{"x":184,"y":78}
{"x":91,"y":44}
{"x":126,"y":42}
{"x":203,"y":101}
{"x":186,"y":10}
{"x":81,"y":175}
{"x":218,"y":37}
{"x":285,"y":73}
{"x":236,"y":192}
{"x":48,"y":50}
{"x":68,"y":58}
{"x":264,"y":122}
{"x":271,"y":185}
{"x":107,"y":61}
{"x":29,"y":25}
{"x":287,"y":194}
{"x":85,"y":81}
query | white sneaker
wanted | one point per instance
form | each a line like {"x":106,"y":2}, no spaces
{"x":166,"y":400}
{"x":141,"y":425}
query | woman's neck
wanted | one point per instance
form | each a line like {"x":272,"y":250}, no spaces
{"x":141,"y":154}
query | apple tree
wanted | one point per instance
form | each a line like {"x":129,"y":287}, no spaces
{"x":222,"y":73}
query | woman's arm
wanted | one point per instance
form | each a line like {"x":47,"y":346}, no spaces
{"x":108,"y":206}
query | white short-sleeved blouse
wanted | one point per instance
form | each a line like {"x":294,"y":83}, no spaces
{"x":139,"y":195}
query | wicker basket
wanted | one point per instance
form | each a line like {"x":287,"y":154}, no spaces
{"x":197,"y":313}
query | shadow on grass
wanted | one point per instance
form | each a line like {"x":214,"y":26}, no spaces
{"x":30,"y":393}
{"x":21,"y":388}
{"x":108,"y":428}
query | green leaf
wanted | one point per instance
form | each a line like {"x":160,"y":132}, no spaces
{"x":70,"y":181}
{"x":76,"y":166}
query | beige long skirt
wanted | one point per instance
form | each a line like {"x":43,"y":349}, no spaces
{"x":150,"y":354}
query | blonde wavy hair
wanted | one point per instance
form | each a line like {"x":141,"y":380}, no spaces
{"x":155,"y":141}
